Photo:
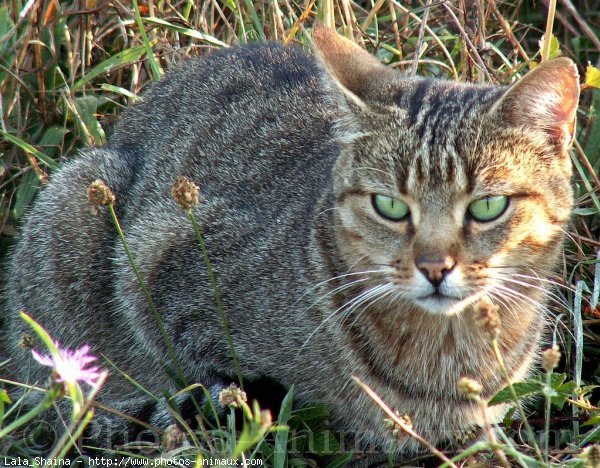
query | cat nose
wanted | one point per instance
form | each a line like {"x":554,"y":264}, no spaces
{"x":436,"y":270}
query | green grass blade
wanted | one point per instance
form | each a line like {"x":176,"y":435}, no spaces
{"x":281,"y":438}
{"x":154,"y":66}
{"x":30,"y":149}
{"x":578,"y":332}
{"x":118,"y":60}
{"x":596,"y":290}
{"x":255,"y":20}
{"x":43,"y":334}
{"x":586,"y":182}
{"x":118,"y":90}
{"x":185,"y":31}
{"x":578,"y":335}
{"x":28,"y":187}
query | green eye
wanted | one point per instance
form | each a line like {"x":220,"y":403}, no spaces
{"x":390,"y":208}
{"x":488,"y":208}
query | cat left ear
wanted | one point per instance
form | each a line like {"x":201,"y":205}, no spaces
{"x":545,"y":100}
{"x":355,"y":71}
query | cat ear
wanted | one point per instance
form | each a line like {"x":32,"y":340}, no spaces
{"x":354,"y":70}
{"x":544,"y":100}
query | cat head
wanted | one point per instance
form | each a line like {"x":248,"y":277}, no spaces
{"x":448,"y":191}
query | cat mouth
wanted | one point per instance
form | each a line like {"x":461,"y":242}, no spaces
{"x":441,"y":304}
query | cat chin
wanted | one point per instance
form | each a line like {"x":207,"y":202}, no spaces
{"x":445,"y":305}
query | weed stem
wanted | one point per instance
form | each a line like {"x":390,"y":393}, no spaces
{"x":515,"y":398}
{"x":46,"y":403}
{"x":405,"y":428}
{"x":163,"y":331}
{"x":218,"y":299}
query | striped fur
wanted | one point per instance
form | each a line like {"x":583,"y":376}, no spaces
{"x":288,"y":151}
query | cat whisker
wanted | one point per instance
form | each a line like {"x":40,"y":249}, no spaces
{"x":335,"y":291}
{"x":339,"y":277}
{"x":546,"y":310}
{"x":356,"y":302}
{"x":503,"y":301}
{"x":370,"y":303}
{"x":509,"y":303}
{"x":518,"y":295}
{"x":328,"y":209}
{"x":549,"y":281}
{"x":503,"y":276}
{"x":557,"y":299}
{"x":360,"y":298}
{"x":376,"y":294}
{"x":568,"y":234}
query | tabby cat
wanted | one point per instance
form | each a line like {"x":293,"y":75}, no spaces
{"x":354,"y":217}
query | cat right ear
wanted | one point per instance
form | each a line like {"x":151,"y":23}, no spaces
{"x":355,"y":72}
{"x":545,"y":101}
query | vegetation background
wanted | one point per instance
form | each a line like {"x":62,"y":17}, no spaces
{"x":68,"y":68}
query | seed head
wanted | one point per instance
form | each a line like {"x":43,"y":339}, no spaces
{"x":173,"y":438}
{"x":185,"y":193}
{"x":550,"y":358}
{"x":266,"y":419}
{"x":396,"y":428}
{"x":232,"y":396}
{"x":591,"y":456}
{"x":486,"y":317}
{"x":469,"y":387}
{"x":99,"y":194}
{"x":27,"y":341}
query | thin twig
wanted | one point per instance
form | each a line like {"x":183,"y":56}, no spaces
{"x":434,"y":36}
{"x":508,"y":31}
{"x":586,"y":163}
{"x":590,"y":34}
{"x":419,"y":46}
{"x":218,"y":300}
{"x":548,"y":33}
{"x":465,"y":37}
{"x":515,"y":398}
{"x":405,"y":428}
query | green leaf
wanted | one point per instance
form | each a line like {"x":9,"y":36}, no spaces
{"x":309,"y":417}
{"x":43,"y":334}
{"x":585,"y":211}
{"x":118,"y":90}
{"x":52,"y":139}
{"x":25,"y":193}
{"x":563,"y":391}
{"x":341,"y":461}
{"x":282,"y":436}
{"x":297,"y":463}
{"x":535,"y":386}
{"x":554,"y":47}
{"x":118,"y":60}
{"x":556,"y":380}
{"x":87,"y":106}
{"x":592,"y":77}
{"x":6,"y":26}
{"x":592,"y":146}
{"x":29,"y":149}
{"x":4,"y":398}
{"x":522,"y":389}
{"x":324,"y":443}
{"x":592,"y":421}
{"x":185,"y":31}
{"x":315,"y":412}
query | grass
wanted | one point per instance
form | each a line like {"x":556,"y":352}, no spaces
{"x":68,"y":68}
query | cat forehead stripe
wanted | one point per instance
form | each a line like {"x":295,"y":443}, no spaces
{"x":322,"y":189}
